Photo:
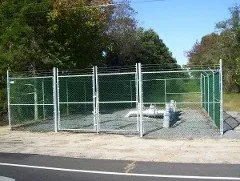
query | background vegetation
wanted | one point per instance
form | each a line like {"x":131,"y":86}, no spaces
{"x":40,"y":34}
{"x":223,"y":44}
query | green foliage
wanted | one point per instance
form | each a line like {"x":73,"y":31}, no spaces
{"x":153,"y":50}
{"x":40,"y":34}
{"x":225,"y":45}
{"x":143,"y":46}
{"x":77,"y":38}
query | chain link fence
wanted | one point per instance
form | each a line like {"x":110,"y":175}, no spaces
{"x":143,"y":100}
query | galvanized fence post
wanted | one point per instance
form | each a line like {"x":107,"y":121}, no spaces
{"x":213,"y":102}
{"x":140,"y":99}
{"x":201,"y":90}
{"x":43,"y":100}
{"x":58,"y":101}
{"x":221,"y":97}
{"x":208,"y":93}
{"x":55,"y":101}
{"x":137,"y":95}
{"x":35,"y":102}
{"x":67,"y":97}
{"x":94,"y":98}
{"x":97,"y":99}
{"x":204,"y":92}
{"x":8,"y":100}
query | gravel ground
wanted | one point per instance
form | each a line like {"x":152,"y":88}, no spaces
{"x":187,"y":124}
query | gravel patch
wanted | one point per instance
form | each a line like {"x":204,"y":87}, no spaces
{"x":187,"y":123}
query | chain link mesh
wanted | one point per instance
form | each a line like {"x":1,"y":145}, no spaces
{"x":117,"y":96}
{"x":110,"y":100}
{"x":76,"y":102}
{"x":31,"y":103}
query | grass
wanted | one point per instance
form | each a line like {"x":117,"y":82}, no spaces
{"x":231,"y":102}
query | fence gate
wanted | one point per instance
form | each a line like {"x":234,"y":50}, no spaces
{"x":117,"y":97}
{"x":75,"y":101}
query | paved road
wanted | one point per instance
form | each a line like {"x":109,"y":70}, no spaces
{"x":29,"y":167}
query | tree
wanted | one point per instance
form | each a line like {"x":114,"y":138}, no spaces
{"x":122,"y":35}
{"x":40,"y":34}
{"x":76,"y":38}
{"x":225,"y":45}
{"x":204,"y":52}
{"x":153,"y":50}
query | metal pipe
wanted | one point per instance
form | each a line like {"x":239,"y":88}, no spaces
{"x":35,"y":99}
{"x":113,"y":102}
{"x":75,"y":102}
{"x":171,"y":79}
{"x":204,"y":91}
{"x":123,"y":73}
{"x":8,"y":100}
{"x":137,"y":96}
{"x":201,"y":98}
{"x":94,"y":98}
{"x":221,"y":97}
{"x":35,"y":103}
{"x":31,"y":104}
{"x":43,"y":100}
{"x":25,"y":78}
{"x":85,"y":96}
{"x":140,"y":99}
{"x":58,"y":100}
{"x":183,"y":93}
{"x":176,"y":71}
{"x":213,"y":97}
{"x":97,"y":99}
{"x":87,"y":75}
{"x":67,"y":97}
{"x":208,"y":94}
{"x":55,"y":101}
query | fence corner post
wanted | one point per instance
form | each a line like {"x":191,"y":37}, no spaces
{"x":221,"y":96}
{"x":55,"y":107}
{"x":140,"y":99}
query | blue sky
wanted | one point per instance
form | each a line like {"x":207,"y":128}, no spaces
{"x":180,"y":23}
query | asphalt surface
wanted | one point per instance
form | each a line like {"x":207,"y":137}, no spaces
{"x":29,"y":167}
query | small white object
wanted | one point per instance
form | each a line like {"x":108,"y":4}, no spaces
{"x":151,"y":112}
{"x":167,"y":117}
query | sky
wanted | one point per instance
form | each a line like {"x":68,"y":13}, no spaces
{"x":180,"y":23}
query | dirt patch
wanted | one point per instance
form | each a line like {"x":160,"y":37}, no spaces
{"x":120,"y":147}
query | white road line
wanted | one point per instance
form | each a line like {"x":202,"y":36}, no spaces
{"x":121,"y":173}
